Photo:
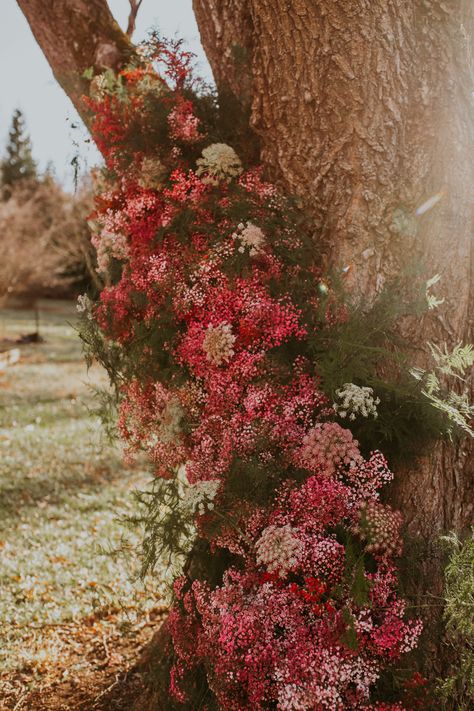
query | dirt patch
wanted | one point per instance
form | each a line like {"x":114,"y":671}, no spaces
{"x":96,"y":670}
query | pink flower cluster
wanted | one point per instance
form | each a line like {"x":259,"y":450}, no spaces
{"x":218,"y":376}
{"x":327,"y":448}
{"x":281,"y":619}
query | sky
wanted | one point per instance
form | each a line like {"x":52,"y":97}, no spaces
{"x":27,"y":83}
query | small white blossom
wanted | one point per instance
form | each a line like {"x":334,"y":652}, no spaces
{"x":356,"y":400}
{"x":109,"y":245}
{"x":199,"y":497}
{"x":218,"y":343}
{"x":251,"y":237}
{"x":219,"y":162}
{"x":278,"y":548}
{"x":84,"y":305}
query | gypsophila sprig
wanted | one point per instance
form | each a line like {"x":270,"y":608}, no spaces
{"x":84,"y":305}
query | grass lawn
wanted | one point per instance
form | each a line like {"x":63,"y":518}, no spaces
{"x":66,"y":608}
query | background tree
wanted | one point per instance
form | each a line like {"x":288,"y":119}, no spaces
{"x":45,"y":239}
{"x":363,"y":110}
{"x":18,"y":163}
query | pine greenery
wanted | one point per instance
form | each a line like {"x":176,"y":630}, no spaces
{"x":18,"y":163}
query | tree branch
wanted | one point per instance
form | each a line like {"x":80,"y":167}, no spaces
{"x":74,"y":36}
{"x":132,"y":18}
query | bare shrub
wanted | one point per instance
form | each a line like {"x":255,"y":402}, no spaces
{"x":44,"y":239}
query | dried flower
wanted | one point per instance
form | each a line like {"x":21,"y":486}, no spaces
{"x":218,"y":343}
{"x":109,"y":245}
{"x":219,"y":162}
{"x":152,"y":173}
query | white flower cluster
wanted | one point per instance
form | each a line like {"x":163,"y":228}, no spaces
{"x":251,"y":237}
{"x":356,"y":400}
{"x":279,"y":549}
{"x":219,"y":162}
{"x":109,"y":245}
{"x":84,"y":305}
{"x":199,"y":497}
{"x":152,"y":173}
{"x":218,"y":343}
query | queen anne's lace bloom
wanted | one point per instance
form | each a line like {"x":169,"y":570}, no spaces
{"x":356,"y":400}
{"x":251,"y":237}
{"x":279,"y":549}
{"x":219,"y":162}
{"x":218,"y":343}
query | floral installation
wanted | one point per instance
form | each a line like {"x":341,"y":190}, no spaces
{"x":206,"y":326}
{"x":296,"y":625}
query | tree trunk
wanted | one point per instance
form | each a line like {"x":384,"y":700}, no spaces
{"x":74,"y":36}
{"x":364,"y":109}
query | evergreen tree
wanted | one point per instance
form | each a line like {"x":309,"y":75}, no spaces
{"x":18,"y":162}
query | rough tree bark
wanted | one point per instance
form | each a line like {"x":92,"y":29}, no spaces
{"x":364,"y":108}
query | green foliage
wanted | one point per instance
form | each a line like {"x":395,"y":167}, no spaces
{"x":18,"y":163}
{"x":367,"y":349}
{"x":457,"y":689}
{"x":449,"y":365}
{"x":167,"y":527}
